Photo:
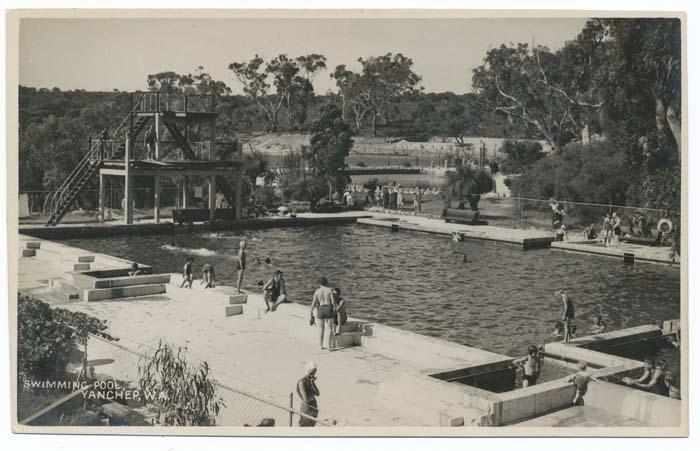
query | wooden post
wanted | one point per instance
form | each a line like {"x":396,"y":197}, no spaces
{"x":291,"y":409}
{"x":212,"y":197}
{"x":239,"y":189}
{"x":102,"y":198}
{"x":184,"y":192}
{"x":156,"y":118}
{"x":156,"y":198}
{"x":128,"y":190}
{"x":212,"y":140}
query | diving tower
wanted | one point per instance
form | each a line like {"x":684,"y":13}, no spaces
{"x":154,"y":140}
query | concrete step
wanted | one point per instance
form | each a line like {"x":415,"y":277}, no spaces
{"x":81,"y":266}
{"x":28,"y":252}
{"x":101,"y":294}
{"x":33,"y":244}
{"x":86,"y":258}
{"x":233,"y":310}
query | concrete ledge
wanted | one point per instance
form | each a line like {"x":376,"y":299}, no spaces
{"x":28,"y":252}
{"x":651,"y":409}
{"x":233,"y":310}
{"x":86,"y":258}
{"x":81,"y":266}
{"x":33,"y":244}
{"x":617,"y":337}
{"x":100,"y":294}
{"x":132,"y":280}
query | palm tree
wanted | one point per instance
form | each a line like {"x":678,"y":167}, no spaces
{"x":467,"y":183}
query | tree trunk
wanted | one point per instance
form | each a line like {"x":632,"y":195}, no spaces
{"x":660,"y":110}
{"x":674,"y":123}
{"x":374,"y":125}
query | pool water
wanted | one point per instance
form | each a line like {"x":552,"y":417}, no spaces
{"x":502,"y":300}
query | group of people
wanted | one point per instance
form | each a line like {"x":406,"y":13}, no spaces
{"x":655,"y":379}
{"x":395,"y":196}
{"x":330,"y":310}
{"x":208,"y":274}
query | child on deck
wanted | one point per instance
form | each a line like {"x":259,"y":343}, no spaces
{"x":208,"y":277}
{"x":341,"y":316}
{"x":134,"y":271}
{"x":581,"y":380}
{"x":598,"y":325}
{"x":187,"y":273}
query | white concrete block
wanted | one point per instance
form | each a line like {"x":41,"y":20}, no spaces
{"x":86,"y":258}
{"x":33,"y":245}
{"x":28,"y":252}
{"x":233,"y":310}
{"x":235,"y":299}
{"x":81,"y":266}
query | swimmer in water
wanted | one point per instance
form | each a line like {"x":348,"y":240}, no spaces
{"x":464,"y":258}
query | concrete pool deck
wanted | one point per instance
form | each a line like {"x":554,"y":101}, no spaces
{"x":381,"y":376}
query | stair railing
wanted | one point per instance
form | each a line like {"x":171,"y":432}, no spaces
{"x":134,"y":109}
{"x":59,"y":195}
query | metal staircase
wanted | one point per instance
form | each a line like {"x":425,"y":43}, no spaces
{"x":63,"y":198}
{"x":139,"y":125}
{"x":221,"y":182}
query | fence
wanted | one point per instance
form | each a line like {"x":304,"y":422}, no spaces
{"x":115,"y":367}
{"x":528,"y":212}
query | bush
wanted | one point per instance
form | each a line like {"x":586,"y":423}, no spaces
{"x":184,"y":395}
{"x":46,"y":337}
{"x":596,"y":173}
{"x":43,"y":343}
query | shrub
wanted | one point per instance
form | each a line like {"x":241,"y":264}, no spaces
{"x":46,"y":336}
{"x":184,"y":395}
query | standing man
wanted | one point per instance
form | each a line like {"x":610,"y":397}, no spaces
{"x":149,"y":141}
{"x":323,"y":303}
{"x":568,"y":314}
{"x":240,"y":264}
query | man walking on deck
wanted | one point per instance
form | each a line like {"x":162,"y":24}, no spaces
{"x":323,"y":303}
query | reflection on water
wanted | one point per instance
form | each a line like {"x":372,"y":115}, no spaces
{"x":502,"y":302}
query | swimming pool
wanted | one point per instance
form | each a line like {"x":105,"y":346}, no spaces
{"x":501,"y":301}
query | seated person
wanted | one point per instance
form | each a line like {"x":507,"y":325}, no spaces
{"x":275,"y":292}
{"x":135,"y":271}
{"x":674,"y":390}
{"x":598,"y":325}
{"x":589,"y":233}
{"x":655,"y":383}
{"x":558,"y":329}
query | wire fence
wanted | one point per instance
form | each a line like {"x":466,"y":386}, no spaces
{"x":113,"y":395}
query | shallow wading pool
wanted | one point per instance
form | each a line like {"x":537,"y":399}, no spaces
{"x":501,"y":300}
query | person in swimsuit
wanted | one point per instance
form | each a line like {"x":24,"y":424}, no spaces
{"x":530,"y":366}
{"x":187,"y":273}
{"x":134,"y":271}
{"x":607,"y":230}
{"x":581,"y":380}
{"x":275,"y":292}
{"x":674,"y":390}
{"x":323,"y":304}
{"x":598,"y":325}
{"x":656,"y":382}
{"x":568,"y":314}
{"x":648,"y":371}
{"x":616,"y":229}
{"x":340,"y":316}
{"x":208,"y":277}
{"x":240,"y":264}
{"x":307,"y":390}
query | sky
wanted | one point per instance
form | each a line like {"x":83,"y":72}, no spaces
{"x":105,"y":54}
